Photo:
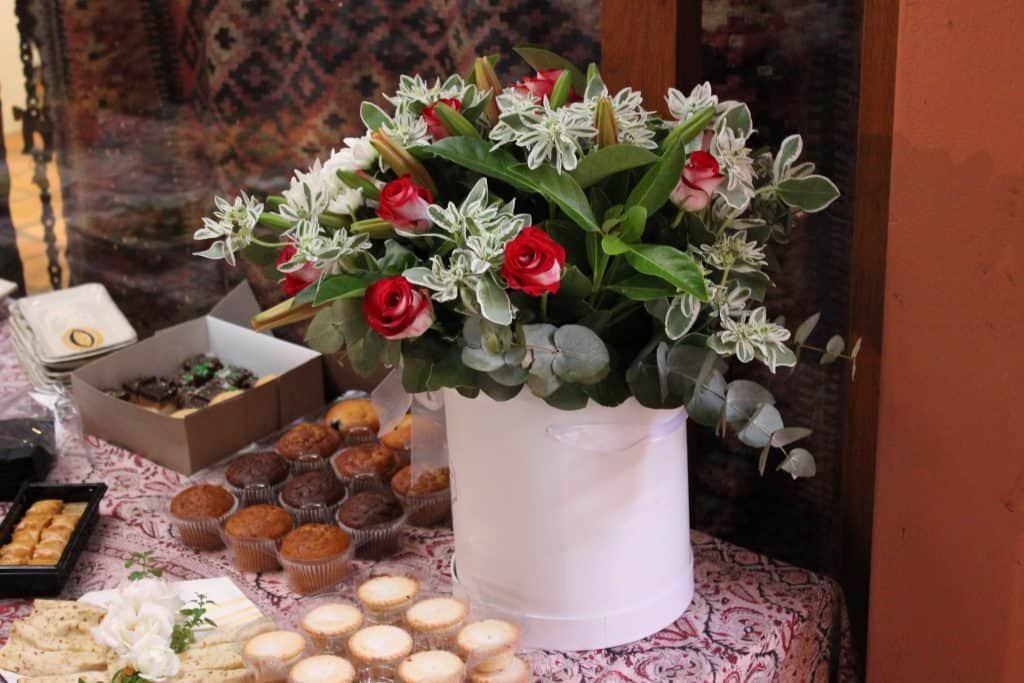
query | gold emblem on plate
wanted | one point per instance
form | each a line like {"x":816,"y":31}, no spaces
{"x":82,"y":338}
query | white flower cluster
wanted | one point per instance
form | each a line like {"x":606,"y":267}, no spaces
{"x":414,"y":93}
{"x":752,"y":336}
{"x":633,"y":121}
{"x":232,"y":226}
{"x":734,"y":252}
{"x":479,"y":227}
{"x":138,"y":627}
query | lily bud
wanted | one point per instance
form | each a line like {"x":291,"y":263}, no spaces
{"x":400,"y":161}
{"x":607,"y":127}
{"x":285,"y":313}
{"x":487,"y":80}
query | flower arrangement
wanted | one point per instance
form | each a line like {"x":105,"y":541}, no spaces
{"x":147,"y":626}
{"x":548,"y":234}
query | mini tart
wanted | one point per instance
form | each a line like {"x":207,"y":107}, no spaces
{"x":432,"y":666}
{"x":490,"y":642}
{"x":386,"y":593}
{"x":308,"y":438}
{"x":516,"y":671}
{"x":436,"y":614}
{"x":259,"y":521}
{"x":355,"y":413}
{"x":273,"y":649}
{"x":380,"y":644}
{"x":202,"y":501}
{"x":323,"y":669}
{"x":333,"y":620}
{"x":311,"y":542}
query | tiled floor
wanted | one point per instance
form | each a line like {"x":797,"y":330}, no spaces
{"x":26,"y":212}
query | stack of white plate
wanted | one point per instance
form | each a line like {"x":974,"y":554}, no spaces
{"x":57,"y":332}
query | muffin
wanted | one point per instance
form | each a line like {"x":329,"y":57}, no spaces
{"x":432,"y":666}
{"x":489,"y":645}
{"x":329,"y":626}
{"x":252,"y":535}
{"x":322,"y":669}
{"x":315,"y":557}
{"x":366,"y":466}
{"x":308,"y":445}
{"x":354,"y":419}
{"x":313,"y":496}
{"x":257,"y":477}
{"x":379,"y":649}
{"x":197,"y":513}
{"x":436,"y":621}
{"x":385,"y":598}
{"x":374,"y":521}
{"x":269,"y":656}
{"x":424,"y":494}
{"x":516,"y":671}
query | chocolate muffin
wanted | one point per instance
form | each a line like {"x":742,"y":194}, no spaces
{"x":263,"y":468}
{"x":252,"y":534}
{"x":369,"y":509}
{"x":315,"y":557}
{"x":308,"y":438}
{"x":366,"y":465}
{"x":313,"y":488}
{"x":197,"y":513}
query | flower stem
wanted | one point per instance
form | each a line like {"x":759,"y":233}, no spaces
{"x":268,"y":245}
{"x":544,"y":307}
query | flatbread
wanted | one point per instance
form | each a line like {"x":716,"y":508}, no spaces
{"x":222,"y":656}
{"x":18,"y":657}
{"x":77,"y":641}
{"x":86,"y":676}
{"x":214,"y":676}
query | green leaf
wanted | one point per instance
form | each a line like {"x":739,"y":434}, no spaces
{"x":634,"y":221}
{"x":607,"y":161}
{"x":671,"y":265}
{"x":799,"y":463}
{"x":493,"y":300}
{"x":788,"y":435}
{"x":454,"y":122}
{"x":708,"y":400}
{"x":396,"y":259}
{"x":789,"y":151}
{"x":613,"y":245}
{"x":567,"y":397}
{"x":657,"y":184}
{"x":582,"y":356}
{"x":496,"y":390}
{"x":806,"y":327}
{"x":324,"y":333}
{"x":358,"y":182}
{"x":743,"y":400}
{"x":342,"y":286}
{"x":476,"y":155}
{"x":694,"y":126}
{"x":738,"y":119}
{"x":540,"y":59}
{"x":560,"y":91}
{"x":373,"y":116}
{"x":642,"y":288}
{"x":574,"y":283}
{"x":561,"y":189}
{"x":757,"y":431}
{"x":811,"y":193}
{"x":610,"y":391}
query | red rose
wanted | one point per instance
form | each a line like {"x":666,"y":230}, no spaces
{"x":404,"y":204}
{"x":434,"y":125}
{"x":396,"y":310}
{"x":298,"y":280}
{"x":542,"y":85}
{"x":533,"y":262}
{"x":701,"y":177}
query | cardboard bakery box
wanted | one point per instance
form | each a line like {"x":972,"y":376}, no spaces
{"x":201,"y":438}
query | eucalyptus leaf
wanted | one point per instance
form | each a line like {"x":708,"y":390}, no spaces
{"x":835,"y":345}
{"x":582,"y":356}
{"x":806,"y":328}
{"x":567,"y":397}
{"x":481,"y":359}
{"x":788,"y":435}
{"x":708,"y":400}
{"x":610,"y":160}
{"x":324,"y":333}
{"x":509,"y":375}
{"x":757,"y":431}
{"x":799,"y":463}
{"x":762,"y":461}
{"x":743,"y":400}
{"x":497,"y":390}
{"x":811,"y":193}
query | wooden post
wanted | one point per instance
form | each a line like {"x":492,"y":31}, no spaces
{"x":651,"y":46}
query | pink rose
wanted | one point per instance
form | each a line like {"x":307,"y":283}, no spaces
{"x":533,"y":262}
{"x":404,"y":204}
{"x":542,"y":85}
{"x":434,"y":125}
{"x":701,"y":177}
{"x":298,"y":280}
{"x":396,"y":310}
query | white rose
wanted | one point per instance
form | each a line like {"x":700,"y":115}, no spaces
{"x":357,"y":155}
{"x":347,"y":201}
{"x":123,"y":627}
{"x":154,"y":660}
{"x":149,"y":591}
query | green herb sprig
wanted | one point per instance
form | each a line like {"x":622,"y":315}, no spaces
{"x":183,"y":635}
{"x":146,"y":564}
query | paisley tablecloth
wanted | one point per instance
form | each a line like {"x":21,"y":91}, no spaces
{"x":752,"y":619}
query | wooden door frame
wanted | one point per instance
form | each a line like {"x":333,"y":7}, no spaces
{"x":654,"y":65}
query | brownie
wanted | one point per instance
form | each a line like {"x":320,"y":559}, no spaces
{"x":264,"y":468}
{"x":199,"y":369}
{"x":314,"y":542}
{"x":369,"y":508}
{"x":259,"y":521}
{"x":201,"y":397}
{"x":202,"y":501}
{"x":366,"y":460}
{"x":308,"y":438}
{"x":237,"y":378}
{"x":312,"y":488}
{"x":426,"y":481}
{"x":153,"y":391}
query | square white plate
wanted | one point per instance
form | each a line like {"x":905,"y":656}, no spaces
{"x":76,"y":322}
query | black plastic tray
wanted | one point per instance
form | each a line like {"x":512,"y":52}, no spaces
{"x":18,"y":581}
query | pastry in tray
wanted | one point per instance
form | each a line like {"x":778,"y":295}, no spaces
{"x":199,"y":381}
{"x":41,"y":535}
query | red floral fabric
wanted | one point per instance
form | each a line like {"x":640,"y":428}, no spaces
{"x":752,"y":618}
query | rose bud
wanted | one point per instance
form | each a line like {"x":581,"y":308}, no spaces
{"x":533,"y":262}
{"x":542,"y":85}
{"x":434,"y":126}
{"x":404,"y":204}
{"x":298,"y":280}
{"x":396,"y":310}
{"x":701,"y":177}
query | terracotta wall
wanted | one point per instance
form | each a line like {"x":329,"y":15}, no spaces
{"x":947,"y":601}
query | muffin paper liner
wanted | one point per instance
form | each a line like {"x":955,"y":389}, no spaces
{"x":310,"y":462}
{"x":252,"y":554}
{"x":359,"y":434}
{"x":362,"y":482}
{"x":426,"y":510}
{"x":311,"y":576}
{"x":377,"y":541}
{"x":202,"y":534}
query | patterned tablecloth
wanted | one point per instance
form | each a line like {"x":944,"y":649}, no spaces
{"x":752,"y":618}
